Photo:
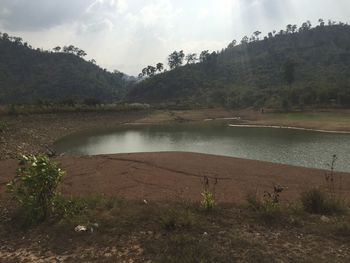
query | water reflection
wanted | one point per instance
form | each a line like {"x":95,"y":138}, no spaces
{"x":310,"y":149}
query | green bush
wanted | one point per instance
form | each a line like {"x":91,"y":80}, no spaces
{"x":34,"y":187}
{"x":316,"y":201}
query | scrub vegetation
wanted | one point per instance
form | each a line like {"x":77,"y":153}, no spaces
{"x":114,"y":229}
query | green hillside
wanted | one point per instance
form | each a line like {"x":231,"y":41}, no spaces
{"x":30,"y":75}
{"x":291,"y":68}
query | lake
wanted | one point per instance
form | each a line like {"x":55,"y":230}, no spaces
{"x":295,"y":147}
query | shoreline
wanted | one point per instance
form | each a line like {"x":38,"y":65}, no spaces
{"x":36,"y":133}
{"x":286,"y":127}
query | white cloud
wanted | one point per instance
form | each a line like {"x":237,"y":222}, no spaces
{"x":131,"y":34}
{"x":202,"y":13}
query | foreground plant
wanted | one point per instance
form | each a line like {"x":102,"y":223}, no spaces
{"x":3,"y":126}
{"x":268,"y":207}
{"x":35,"y":186}
{"x":329,"y":199}
{"x":208,"y":199}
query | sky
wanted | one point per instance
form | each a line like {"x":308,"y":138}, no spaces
{"x":128,"y":35}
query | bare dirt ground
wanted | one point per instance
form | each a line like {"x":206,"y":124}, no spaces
{"x":178,"y":176}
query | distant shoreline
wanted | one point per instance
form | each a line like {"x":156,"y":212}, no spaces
{"x":286,"y":127}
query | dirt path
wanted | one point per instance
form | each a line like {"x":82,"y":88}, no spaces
{"x":178,"y":176}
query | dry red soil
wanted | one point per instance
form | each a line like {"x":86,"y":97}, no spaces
{"x":179,"y":176}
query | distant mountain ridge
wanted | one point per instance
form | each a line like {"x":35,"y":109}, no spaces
{"x":30,"y":75}
{"x":309,"y":66}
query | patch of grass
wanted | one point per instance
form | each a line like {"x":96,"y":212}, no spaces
{"x":267,"y":208}
{"x":342,"y":229}
{"x":178,"y":219}
{"x":3,"y":126}
{"x":316,"y":201}
{"x":186,"y":247}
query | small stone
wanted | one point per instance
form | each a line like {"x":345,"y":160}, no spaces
{"x":325,"y":219}
{"x":80,"y":228}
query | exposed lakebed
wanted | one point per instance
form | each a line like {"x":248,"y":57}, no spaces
{"x":295,"y":147}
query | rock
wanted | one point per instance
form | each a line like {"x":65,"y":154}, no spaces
{"x":325,"y":219}
{"x":80,"y":228}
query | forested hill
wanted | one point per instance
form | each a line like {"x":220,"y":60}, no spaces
{"x":30,"y":75}
{"x":294,"y":67}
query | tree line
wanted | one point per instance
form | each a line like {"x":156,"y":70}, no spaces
{"x":177,"y":58}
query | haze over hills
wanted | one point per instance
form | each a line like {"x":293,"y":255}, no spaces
{"x":294,"y":67}
{"x":30,"y":75}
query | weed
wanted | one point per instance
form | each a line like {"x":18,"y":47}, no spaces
{"x":34,"y":186}
{"x":3,"y":126}
{"x":328,"y":201}
{"x":268,"y":207}
{"x":316,"y":201}
{"x":177,"y":219}
{"x":208,"y":198}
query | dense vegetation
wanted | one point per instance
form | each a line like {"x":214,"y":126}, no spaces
{"x":296,"y":67}
{"x":30,"y":75}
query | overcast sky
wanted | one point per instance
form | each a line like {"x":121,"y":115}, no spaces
{"x":130,"y":34}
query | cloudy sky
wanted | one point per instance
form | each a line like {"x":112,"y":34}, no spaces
{"x":130,"y":34}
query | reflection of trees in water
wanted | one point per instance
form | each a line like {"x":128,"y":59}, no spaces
{"x":276,"y":145}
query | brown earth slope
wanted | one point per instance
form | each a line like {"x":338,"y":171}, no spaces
{"x":179,"y":176}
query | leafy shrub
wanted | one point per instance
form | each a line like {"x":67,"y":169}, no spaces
{"x":34,"y":186}
{"x":316,"y":201}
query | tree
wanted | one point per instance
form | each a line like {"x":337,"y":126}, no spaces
{"x":204,"y":56}
{"x":232,"y":44}
{"x":159,"y":67}
{"x":191,"y":58}
{"x":175,"y":59}
{"x":245,"y":40}
{"x":321,"y":21}
{"x":151,"y":71}
{"x":57,"y":49}
{"x":257,"y":34}
{"x":81,"y":53}
{"x":305,"y":26}
{"x":289,"y":72}
{"x":5,"y":36}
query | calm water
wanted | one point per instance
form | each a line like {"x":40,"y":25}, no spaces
{"x":302,"y":148}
